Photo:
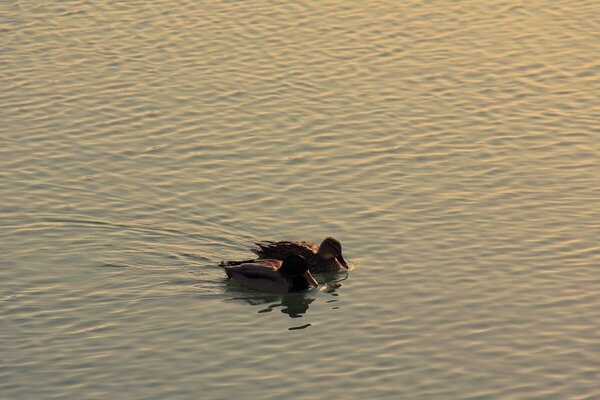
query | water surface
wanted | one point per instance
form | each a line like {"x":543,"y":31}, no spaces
{"x":452,"y":147}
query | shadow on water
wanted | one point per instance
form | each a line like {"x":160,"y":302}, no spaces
{"x":295,"y":305}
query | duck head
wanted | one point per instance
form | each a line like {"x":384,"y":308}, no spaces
{"x":332,"y":248}
{"x":295,"y":269}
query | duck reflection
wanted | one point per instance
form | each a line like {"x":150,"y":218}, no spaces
{"x":333,"y":282}
{"x":295,"y":305}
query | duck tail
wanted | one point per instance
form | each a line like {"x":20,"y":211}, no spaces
{"x":263,"y":248}
{"x":232,"y":263}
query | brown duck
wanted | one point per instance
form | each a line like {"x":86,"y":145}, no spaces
{"x":326,"y":257}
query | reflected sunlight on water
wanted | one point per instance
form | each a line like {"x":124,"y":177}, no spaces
{"x":452,"y":147}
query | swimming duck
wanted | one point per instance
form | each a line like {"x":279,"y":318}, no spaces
{"x":275,"y":276}
{"x":326,"y":257}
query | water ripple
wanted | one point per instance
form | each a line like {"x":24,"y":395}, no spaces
{"x":451,"y":147}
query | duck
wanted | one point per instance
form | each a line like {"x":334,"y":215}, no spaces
{"x":326,"y":257}
{"x":273,"y":276}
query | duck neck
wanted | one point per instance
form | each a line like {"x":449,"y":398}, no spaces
{"x":297,"y":283}
{"x":322,"y":256}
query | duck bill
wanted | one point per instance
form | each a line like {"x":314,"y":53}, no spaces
{"x":310,"y":278}
{"x":342,"y":261}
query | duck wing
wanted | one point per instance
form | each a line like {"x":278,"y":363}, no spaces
{"x":275,"y":264}
{"x":280,"y":250}
{"x":266,"y":267}
{"x":261,"y":276}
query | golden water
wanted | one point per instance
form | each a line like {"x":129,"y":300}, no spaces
{"x":452,"y":147}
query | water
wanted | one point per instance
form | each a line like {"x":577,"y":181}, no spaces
{"x":453,"y":148}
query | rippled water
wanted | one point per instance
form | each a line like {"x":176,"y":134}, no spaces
{"x":452,"y":147}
